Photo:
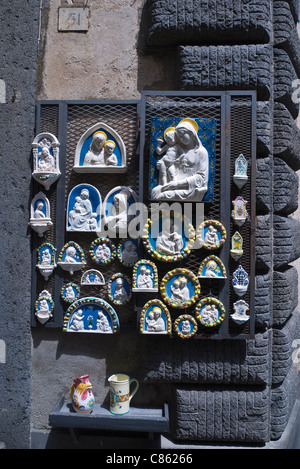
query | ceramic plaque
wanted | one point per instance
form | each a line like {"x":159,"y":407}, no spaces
{"x":144,"y":277}
{"x":46,"y":259}
{"x":45,"y":148}
{"x":119,"y":208}
{"x":44,"y":307}
{"x":102,"y":251}
{"x":239,"y":212}
{"x":40,"y":219}
{"x":240,"y":176}
{"x":70,"y":292}
{"x":127,"y":252}
{"x":185,"y":326}
{"x":212,"y":267}
{"x":84,"y":209}
{"x":182,"y":159}
{"x":236,"y":250}
{"x":168,"y":239}
{"x":240,"y":281}
{"x":119,"y":289}
{"x":91,"y":315}
{"x":210,"y":312}
{"x":180,"y":288}
{"x":240,"y":308}
{"x":71,"y":257}
{"x":155,"y":318}
{"x":100,"y":150}
{"x":211,"y":234}
{"x":92,"y":277}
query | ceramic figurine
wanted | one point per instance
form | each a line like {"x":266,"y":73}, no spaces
{"x":119,"y":209}
{"x":91,"y":315}
{"x":211,"y":234}
{"x":240,"y":281}
{"x":168,"y":239}
{"x":102,"y":251}
{"x":240,"y":308}
{"x":180,"y":288}
{"x":184,"y":170}
{"x":40,"y":220}
{"x":70,"y":292}
{"x":185,"y":326}
{"x":144,"y":277}
{"x":92,"y":277}
{"x":100,"y":150}
{"x":44,"y":307}
{"x":83,"y":209}
{"x":155,"y":318}
{"x":212,"y":267}
{"x":236,"y":250}
{"x":210,"y":312}
{"x":119,"y":289}
{"x":81,"y":395}
{"x":45,"y":149}
{"x":240,"y":176}
{"x":46,"y":259}
{"x":128,"y":252}
{"x":71,"y":257}
{"x":239,"y":212}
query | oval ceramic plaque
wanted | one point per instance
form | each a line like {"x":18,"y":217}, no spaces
{"x":210,"y":312}
{"x":185,"y":326}
{"x":180,"y":288}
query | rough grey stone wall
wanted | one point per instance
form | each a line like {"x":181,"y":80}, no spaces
{"x":18,"y":42}
{"x":252,"y":384}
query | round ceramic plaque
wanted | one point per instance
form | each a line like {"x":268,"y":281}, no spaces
{"x":210,"y":312}
{"x":180,"y":288}
{"x":127,"y":252}
{"x":211,"y":234}
{"x":70,"y":292}
{"x":185,"y":326}
{"x":102,"y":251}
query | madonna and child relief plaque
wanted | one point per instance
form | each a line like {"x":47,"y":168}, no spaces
{"x":182,"y":159}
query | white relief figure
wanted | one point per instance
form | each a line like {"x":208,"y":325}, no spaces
{"x":151,"y":322}
{"x":110,"y":158}
{"x":46,"y":257}
{"x":180,"y":291}
{"x":211,"y":236}
{"x":129,"y":253}
{"x":168,"y":240}
{"x":103,"y":324}
{"x":209,"y":314}
{"x":77,"y":324}
{"x":120,"y":293}
{"x":102,"y":253}
{"x":38,"y":213}
{"x":119,"y":212}
{"x":82,"y":217}
{"x":95,"y":154}
{"x":70,"y":255}
{"x":167,"y":164}
{"x":210,"y":270}
{"x":192,"y":167}
{"x":159,"y":324}
{"x":69,"y":293}
{"x":186,"y":327}
{"x":45,"y":159}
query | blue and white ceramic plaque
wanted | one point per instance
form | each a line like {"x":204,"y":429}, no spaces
{"x":84,"y":209}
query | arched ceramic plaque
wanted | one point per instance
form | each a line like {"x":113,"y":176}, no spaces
{"x":40,"y":218}
{"x":127,"y":252}
{"x":119,"y":289}
{"x":84,"y":209}
{"x":45,"y":148}
{"x":168,"y":239}
{"x":46,"y":259}
{"x":100,"y":150}
{"x":185,"y":326}
{"x":71,"y":257}
{"x":70,"y":292}
{"x":44,"y":307}
{"x":155,"y":318}
{"x":210,"y":312}
{"x":102,"y":251}
{"x":211,"y":234}
{"x":144,"y":277}
{"x":119,"y":208}
{"x":92,"y":315}
{"x":180,"y":288}
{"x":212,"y":267}
{"x":92,"y":277}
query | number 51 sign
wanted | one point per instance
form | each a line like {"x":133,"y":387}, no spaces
{"x":73,"y":19}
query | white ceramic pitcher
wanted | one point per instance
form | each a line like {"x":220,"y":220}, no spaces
{"x":120,"y":395}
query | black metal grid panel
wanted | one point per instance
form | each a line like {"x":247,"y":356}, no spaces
{"x":68,"y":121}
{"x":235,"y":134}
